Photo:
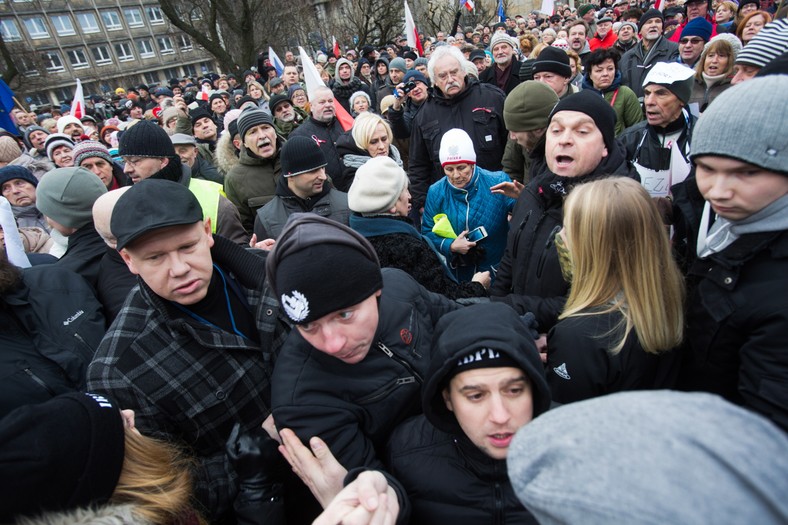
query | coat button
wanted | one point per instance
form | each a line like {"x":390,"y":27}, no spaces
{"x":269,"y":312}
{"x":728,"y":280}
{"x":220,"y":395}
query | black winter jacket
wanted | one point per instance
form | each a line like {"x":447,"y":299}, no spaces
{"x":52,"y":325}
{"x":399,"y":245}
{"x":447,"y":477}
{"x":84,"y":253}
{"x":737,"y":325}
{"x":636,"y":63}
{"x":355,"y":407}
{"x":529,"y":276}
{"x":115,"y":281}
{"x":478,"y":110}
{"x":488,"y":76}
{"x":580,"y":365}
{"x":327,"y":133}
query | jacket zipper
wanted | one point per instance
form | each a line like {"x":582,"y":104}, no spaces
{"x":416,"y":377}
{"x":498,"y":504}
{"x":520,"y":229}
{"x":32,"y":375}
{"x":527,"y":261}
{"x":547,"y":246}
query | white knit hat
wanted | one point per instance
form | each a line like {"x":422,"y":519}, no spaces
{"x":456,"y":148}
{"x":377,"y":186}
{"x":499,"y":37}
{"x":62,"y":122}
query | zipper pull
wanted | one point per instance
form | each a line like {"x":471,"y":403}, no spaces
{"x":385,"y":349}
{"x":406,"y":380}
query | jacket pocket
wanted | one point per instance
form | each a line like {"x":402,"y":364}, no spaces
{"x":386,"y":390}
{"x":258,"y":202}
{"x":431,"y":132}
{"x":485,"y":130}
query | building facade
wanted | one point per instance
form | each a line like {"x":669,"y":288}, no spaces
{"x":105,"y":43}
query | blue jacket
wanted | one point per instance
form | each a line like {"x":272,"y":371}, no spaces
{"x":467,"y":209}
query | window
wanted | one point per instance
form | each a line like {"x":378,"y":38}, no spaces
{"x":154,"y":15}
{"x":133,"y":17}
{"x":38,"y":99}
{"x":63,"y":25}
{"x":77,"y":58}
{"x":52,"y":61}
{"x":36,"y":28}
{"x":185,"y":43}
{"x":145,"y":48}
{"x":9,"y":30}
{"x":65,"y":94}
{"x":88,"y":23}
{"x":27,"y":66}
{"x":171,"y":72}
{"x":111,"y":20}
{"x":124,"y":51}
{"x":151,"y":78}
{"x":101,"y":55}
{"x":165,"y":45}
{"x":190,"y":70}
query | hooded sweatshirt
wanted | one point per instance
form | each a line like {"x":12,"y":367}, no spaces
{"x":449,"y":479}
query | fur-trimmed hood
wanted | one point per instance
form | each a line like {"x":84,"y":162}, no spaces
{"x":105,"y":515}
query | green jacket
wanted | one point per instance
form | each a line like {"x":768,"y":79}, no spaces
{"x":251,"y":183}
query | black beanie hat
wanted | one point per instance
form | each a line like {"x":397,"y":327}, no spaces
{"x":197,"y":114}
{"x":145,"y":139}
{"x":10,"y":172}
{"x":593,"y":105}
{"x":276,"y":100}
{"x":62,"y":454}
{"x":648,"y":15}
{"x":301,"y":155}
{"x":319,"y":266}
{"x":553,"y":60}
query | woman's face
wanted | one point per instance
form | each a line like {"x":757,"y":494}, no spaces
{"x":255,"y":92}
{"x":723,"y":14}
{"x":106,"y":136}
{"x":602,"y":75}
{"x":459,"y":175}
{"x":382,"y":69}
{"x":360,"y":104}
{"x":299,"y":99}
{"x":715,"y":64}
{"x":379,"y":142}
{"x":752,"y":27}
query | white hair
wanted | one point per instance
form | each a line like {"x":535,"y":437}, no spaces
{"x":443,"y":52}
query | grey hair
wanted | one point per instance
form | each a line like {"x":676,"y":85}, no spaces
{"x":443,"y":52}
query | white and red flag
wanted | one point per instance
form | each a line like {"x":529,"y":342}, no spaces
{"x":411,"y":33}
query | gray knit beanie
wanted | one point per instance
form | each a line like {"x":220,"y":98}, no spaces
{"x":377,"y":186}
{"x":398,"y":63}
{"x":66,"y":195}
{"x":765,"y":144}
{"x":250,"y":118}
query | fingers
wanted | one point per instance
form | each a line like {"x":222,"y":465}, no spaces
{"x":270,"y":427}
{"x":253,"y":240}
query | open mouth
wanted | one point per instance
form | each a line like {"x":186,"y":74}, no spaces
{"x":563,"y":161}
{"x":264,"y":143}
{"x":501,"y":440}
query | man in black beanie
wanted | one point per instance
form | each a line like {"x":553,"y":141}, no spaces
{"x":303,"y":187}
{"x":351,"y":370}
{"x":193,"y":347}
{"x":552,"y":68}
{"x":580,"y":146}
{"x":148,"y":153}
{"x":653,"y":48}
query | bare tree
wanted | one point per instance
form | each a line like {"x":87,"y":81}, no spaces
{"x":236,"y":31}
{"x":371,"y":21}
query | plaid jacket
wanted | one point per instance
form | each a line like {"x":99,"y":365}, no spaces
{"x":188,"y":382}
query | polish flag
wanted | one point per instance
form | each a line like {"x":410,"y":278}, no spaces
{"x":337,"y":51}
{"x":313,"y":81}
{"x":659,"y":5}
{"x":468,"y":4}
{"x":411,"y":33}
{"x":78,"y":104}
{"x":275,"y":61}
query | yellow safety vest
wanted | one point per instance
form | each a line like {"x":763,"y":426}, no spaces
{"x":207,"y":194}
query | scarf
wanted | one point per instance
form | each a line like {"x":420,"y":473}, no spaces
{"x":723,"y":232}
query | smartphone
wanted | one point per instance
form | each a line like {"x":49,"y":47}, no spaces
{"x":477,"y":234}
{"x":193,"y":105}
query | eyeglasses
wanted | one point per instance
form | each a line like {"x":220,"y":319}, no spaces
{"x":693,"y":41}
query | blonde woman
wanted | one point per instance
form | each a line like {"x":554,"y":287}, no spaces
{"x":624,"y":314}
{"x":369,"y":137}
{"x":713,"y":72}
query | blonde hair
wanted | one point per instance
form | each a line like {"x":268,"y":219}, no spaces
{"x":527,"y":43}
{"x":364,"y":127}
{"x":156,"y":479}
{"x":538,"y":49}
{"x":622,"y":262}
{"x":258,"y":86}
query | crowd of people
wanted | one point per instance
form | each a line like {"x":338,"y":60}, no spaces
{"x":222,"y":303}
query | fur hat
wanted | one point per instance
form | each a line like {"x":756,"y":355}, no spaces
{"x":67,"y":195}
{"x":377,"y":186}
{"x":456,"y":148}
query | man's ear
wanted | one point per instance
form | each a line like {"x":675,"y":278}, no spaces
{"x":447,"y":399}
{"x":604,"y":153}
{"x":124,"y":254}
